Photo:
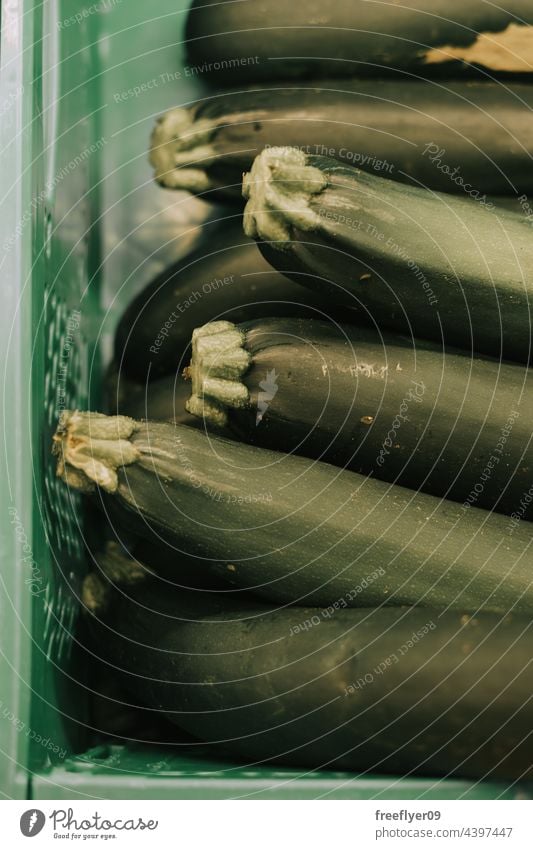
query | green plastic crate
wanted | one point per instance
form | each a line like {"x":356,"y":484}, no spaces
{"x":83,"y":227}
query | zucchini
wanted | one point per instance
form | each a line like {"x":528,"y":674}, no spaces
{"x":383,"y":690}
{"x":225,"y":277}
{"x":455,"y":137}
{"x":178,"y":570}
{"x":433,"y":265}
{"x":441,"y":422}
{"x":246,"y":40}
{"x":292,"y":529}
{"x":161,"y":400}
{"x":132,"y":562}
{"x":517,"y":203}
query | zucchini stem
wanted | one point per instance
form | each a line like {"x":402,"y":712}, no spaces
{"x":180,"y":151}
{"x":115,"y":569}
{"x":91,"y":447}
{"x":219,"y":360}
{"x":120,"y":568}
{"x":279,"y":188}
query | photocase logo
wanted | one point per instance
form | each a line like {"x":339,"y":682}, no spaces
{"x":32,"y":822}
{"x":269,"y":388}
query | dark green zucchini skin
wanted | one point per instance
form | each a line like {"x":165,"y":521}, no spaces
{"x":415,"y":132}
{"x":305,"y":532}
{"x":382,"y":690}
{"x":161,"y":400}
{"x":425,"y":264}
{"x":225,"y":277}
{"x":445,"y":423}
{"x":176,"y":571}
{"x":245,"y":41}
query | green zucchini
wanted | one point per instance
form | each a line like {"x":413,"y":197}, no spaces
{"x":455,"y":137}
{"x":225,"y":277}
{"x":433,"y":265}
{"x":382,"y":690}
{"x":518,"y":203}
{"x":234,"y":41}
{"x":292,"y":529}
{"x":440,"y":422}
{"x":134,"y":559}
{"x":178,"y":570}
{"x":161,"y":400}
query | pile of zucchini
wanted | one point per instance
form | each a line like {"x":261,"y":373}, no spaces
{"x":315,"y":464}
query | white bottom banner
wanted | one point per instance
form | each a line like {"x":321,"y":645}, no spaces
{"x":265,"y":824}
